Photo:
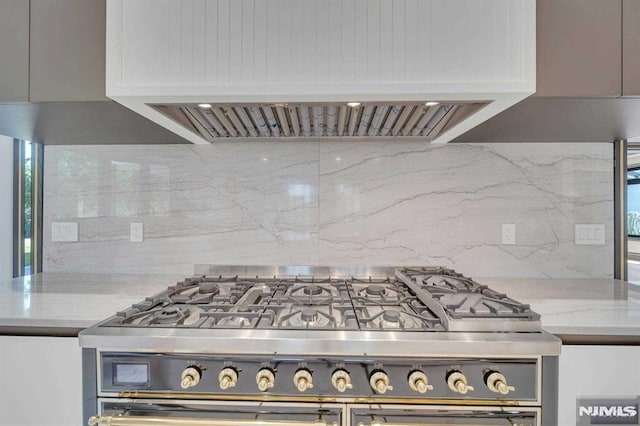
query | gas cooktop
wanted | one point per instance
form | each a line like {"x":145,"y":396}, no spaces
{"x":408,"y":299}
{"x":308,"y":335}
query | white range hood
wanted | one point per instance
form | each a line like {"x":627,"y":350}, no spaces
{"x":213,"y":70}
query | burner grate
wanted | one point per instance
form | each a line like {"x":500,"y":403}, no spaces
{"x":416,"y":299}
{"x":465,"y":305}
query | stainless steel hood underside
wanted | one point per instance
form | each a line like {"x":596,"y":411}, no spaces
{"x":81,"y":123}
{"x":417,"y":120}
{"x":561,"y":120}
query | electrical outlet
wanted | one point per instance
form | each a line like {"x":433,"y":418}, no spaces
{"x":508,"y":233}
{"x":136,"y":233}
{"x":64,"y":232}
{"x":589,"y":234}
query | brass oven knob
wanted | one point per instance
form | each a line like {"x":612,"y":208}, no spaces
{"x":419,"y":382}
{"x":341,"y":380}
{"x":190,"y":377}
{"x":265,"y":379}
{"x":227,"y":378}
{"x":496,"y":382}
{"x":458,"y":382}
{"x":379,"y":382}
{"x":303,"y":379}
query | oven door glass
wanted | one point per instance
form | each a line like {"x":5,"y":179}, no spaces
{"x":442,"y":416}
{"x":116,"y":412}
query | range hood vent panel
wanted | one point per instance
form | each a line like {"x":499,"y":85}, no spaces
{"x":370,"y":121}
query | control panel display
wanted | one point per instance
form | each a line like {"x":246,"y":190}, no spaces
{"x":131,"y":374}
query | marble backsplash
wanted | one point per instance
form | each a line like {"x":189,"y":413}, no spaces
{"x":330,"y":203}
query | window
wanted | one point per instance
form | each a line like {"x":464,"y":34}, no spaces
{"x":27,"y":254}
{"x":633,"y":202}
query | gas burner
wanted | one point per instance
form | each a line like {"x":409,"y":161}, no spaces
{"x":209,"y":288}
{"x":395,"y":320}
{"x":391,"y":316}
{"x":204,"y":292}
{"x":306,"y":318}
{"x":373,"y":317}
{"x":387,"y":319}
{"x":377,"y":294}
{"x":375,"y":290}
{"x":235,"y":322}
{"x":312,"y":290}
{"x":313,"y":293}
{"x":170,"y":315}
{"x":309,"y":314}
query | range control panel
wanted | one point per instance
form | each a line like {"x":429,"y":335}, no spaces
{"x":477,"y":379}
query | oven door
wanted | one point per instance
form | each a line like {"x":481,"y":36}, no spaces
{"x":127,"y":412}
{"x":392,"y":415}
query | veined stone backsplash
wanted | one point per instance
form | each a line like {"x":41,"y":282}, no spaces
{"x":326,"y":203}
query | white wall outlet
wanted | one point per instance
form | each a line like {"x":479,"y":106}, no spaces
{"x":64,"y":231}
{"x":508,"y":233}
{"x":136,"y":233}
{"x":589,"y":234}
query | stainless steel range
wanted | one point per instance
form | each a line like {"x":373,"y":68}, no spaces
{"x":244,"y":346}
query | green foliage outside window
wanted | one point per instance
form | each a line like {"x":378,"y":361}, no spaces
{"x":27,"y":198}
{"x":633,"y":223}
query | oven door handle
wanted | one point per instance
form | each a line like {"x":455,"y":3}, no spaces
{"x":119,"y":420}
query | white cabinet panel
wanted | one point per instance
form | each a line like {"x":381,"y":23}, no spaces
{"x":67,"y":50}
{"x":40,"y":381}
{"x":596,"y":371}
{"x":14,"y":50}
{"x":247,"y":42}
{"x":580,"y":47}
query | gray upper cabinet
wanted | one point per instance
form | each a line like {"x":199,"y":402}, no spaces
{"x":631,"y":48}
{"x":67,"y":50}
{"x":579,"y":48}
{"x":14,"y":50}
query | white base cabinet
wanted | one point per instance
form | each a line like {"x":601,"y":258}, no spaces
{"x":596,"y":371}
{"x":40,"y":381}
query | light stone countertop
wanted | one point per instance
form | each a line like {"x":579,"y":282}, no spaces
{"x":600,"y":308}
{"x":63,"y":304}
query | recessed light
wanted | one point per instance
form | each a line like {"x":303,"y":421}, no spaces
{"x":353,"y":104}
{"x":431,"y":103}
{"x":204,"y":106}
